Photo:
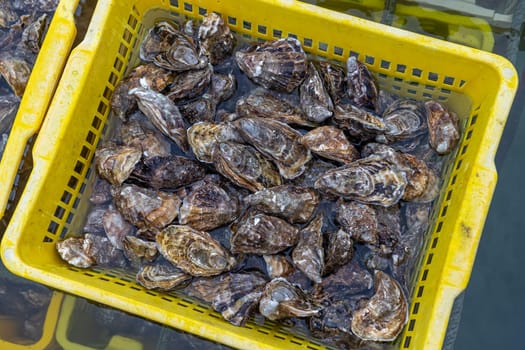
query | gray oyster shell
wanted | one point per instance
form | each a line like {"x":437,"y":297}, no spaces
{"x":116,"y":227}
{"x":339,"y":250}
{"x":163,"y":277}
{"x":308,"y":254}
{"x":223,"y":86}
{"x":404,"y":119}
{"x":115,"y":163}
{"x":359,"y":220}
{"x":334,"y":78}
{"x":330,"y":142}
{"x":443,"y":127}
{"x":152,"y":144}
{"x":190,"y":84}
{"x":215,"y":38}
{"x":90,"y":250}
{"x":362,"y":88}
{"x":315,"y":100}
{"x":138,"y":251}
{"x":203,"y":136}
{"x":277,"y":265}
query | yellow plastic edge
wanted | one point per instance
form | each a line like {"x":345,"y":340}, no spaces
{"x":39,"y":92}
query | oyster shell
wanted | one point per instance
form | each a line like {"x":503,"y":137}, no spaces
{"x":209,"y":205}
{"x":359,"y":123}
{"x":308,"y":254}
{"x":33,"y":34}
{"x":115,"y":163}
{"x":277,"y":141}
{"x":313,"y":169}
{"x":443,"y":127}
{"x":262,"y":234}
{"x":349,"y":279}
{"x":277,"y":265}
{"x":194,"y":252}
{"x":163,"y":277}
{"x":372,"y":180}
{"x":200,"y":110}
{"x":234,"y":295}
{"x":169,"y":172}
{"x":15,"y":69}
{"x":101,"y":192}
{"x":281,"y":299}
{"x":330,"y":142}
{"x":116,"y":227}
{"x":315,"y":100}
{"x":215,"y":38}
{"x":190,"y":84}
{"x":339,"y":250}
{"x":359,"y":220}
{"x":261,"y":103}
{"x":94,"y":222}
{"x":293,"y":203}
{"x":277,"y":65}
{"x":162,"y":113}
{"x":222,"y":86}
{"x":362,"y":88}
{"x":404,"y":119}
{"x":145,"y":207}
{"x":244,"y":166}
{"x":137,"y":250}
{"x":90,"y":250}
{"x":334,"y":78}
{"x":152,"y":144}
{"x":203,"y":136}
{"x":383,"y":316}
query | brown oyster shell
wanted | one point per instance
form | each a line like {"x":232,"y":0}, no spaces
{"x":404,"y":119}
{"x":362,"y":88}
{"x":163,"y":277}
{"x":293,"y":203}
{"x":222,"y":86}
{"x":348,"y":280}
{"x":334,"y":78}
{"x":137,"y":250}
{"x":169,"y":172}
{"x":277,"y":141}
{"x":94,"y":221}
{"x":115,"y":163}
{"x":215,"y":38}
{"x":116,"y":227}
{"x":15,"y":69}
{"x":443,"y":127}
{"x":330,"y":142}
{"x":195,"y":252}
{"x":145,"y":207}
{"x":277,"y":65}
{"x":360,"y":123}
{"x":262,"y":234}
{"x":313,"y":169}
{"x":90,"y":250}
{"x":244,"y":166}
{"x":281,"y":299}
{"x":359,"y":220}
{"x":277,"y":265}
{"x":315,"y":100}
{"x":308,"y":254}
{"x":203,"y":136}
{"x":190,"y":84}
{"x":210,"y":204}
{"x":200,"y":110}
{"x":152,"y":144}
{"x":101,"y":192}
{"x":383,"y":316}
{"x":339,"y":250}
{"x":261,"y":103}
{"x":234,"y":295}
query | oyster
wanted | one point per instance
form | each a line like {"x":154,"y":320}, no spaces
{"x":190,"y":84}
{"x":215,"y":38}
{"x":385,"y":100}
{"x":281,"y":299}
{"x":315,"y":100}
{"x":330,"y":142}
{"x":116,"y":227}
{"x":277,"y":265}
{"x":262,"y":234}
{"x":277,"y":65}
{"x":293,"y":203}
{"x":339,"y":250}
{"x":101,"y":192}
{"x":169,"y":172}
{"x":210,"y":204}
{"x":163,"y":277}
{"x":94,"y":223}
{"x":349,"y":279}
{"x":194,"y":252}
{"x":359,"y":220}
{"x":33,"y":34}
{"x":362,"y":88}
{"x":15,"y":69}
{"x":359,"y":123}
{"x":372,"y":180}
{"x":200,"y":110}
{"x":404,"y":119}
{"x":234,"y":295}
{"x":388,"y":228}
{"x":244,"y":166}
{"x":313,"y":169}
{"x":277,"y":141}
{"x":203,"y":136}
{"x":90,"y":250}
{"x":222,"y":86}
{"x":443,"y":127}
{"x":261,"y":103}
{"x":334,"y":78}
{"x":137,"y":250}
{"x":145,"y":207}
{"x":115,"y":163}
{"x":162,"y":113}
{"x":383,"y":316}
{"x":152,"y":144}
{"x":308,"y":254}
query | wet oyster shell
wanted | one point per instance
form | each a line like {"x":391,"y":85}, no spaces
{"x":261,"y":103}
{"x":195,"y":252}
{"x":90,"y":250}
{"x":383,"y":316}
{"x":94,"y":222}
{"x":138,"y":251}
{"x":281,"y":299}
{"x":262,"y":234}
{"x":163,"y":277}
{"x":215,"y":38}
{"x":203,"y":136}
{"x":359,"y":220}
{"x":244,"y":166}
{"x":360,"y":123}
{"x":190,"y":84}
{"x":210,"y":204}
{"x":101,"y":192}
{"x":152,"y":144}
{"x":33,"y":34}
{"x":145,"y":207}
{"x":234,"y":295}
{"x":277,"y":65}
{"x":15,"y":69}
{"x":404,"y":119}
{"x":222,"y":86}
{"x":115,"y":163}
{"x":315,"y":100}
{"x":277,"y":141}
{"x":199,"y":110}
{"x":277,"y":265}
{"x":308,"y":254}
{"x":330,"y":142}
{"x":339,"y":250}
{"x":116,"y":227}
{"x":293,"y":203}
{"x":443,"y":127}
{"x":313,"y":170}
{"x":348,"y":280}
{"x":362,"y":88}
{"x":334,"y":78}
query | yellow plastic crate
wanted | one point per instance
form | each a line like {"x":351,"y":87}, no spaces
{"x":10,"y":338}
{"x":480,"y":86}
{"x":38,"y":94}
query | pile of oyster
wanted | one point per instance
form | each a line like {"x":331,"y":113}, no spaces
{"x":264,"y":180}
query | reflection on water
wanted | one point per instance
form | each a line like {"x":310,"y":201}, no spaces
{"x":24,"y":305}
